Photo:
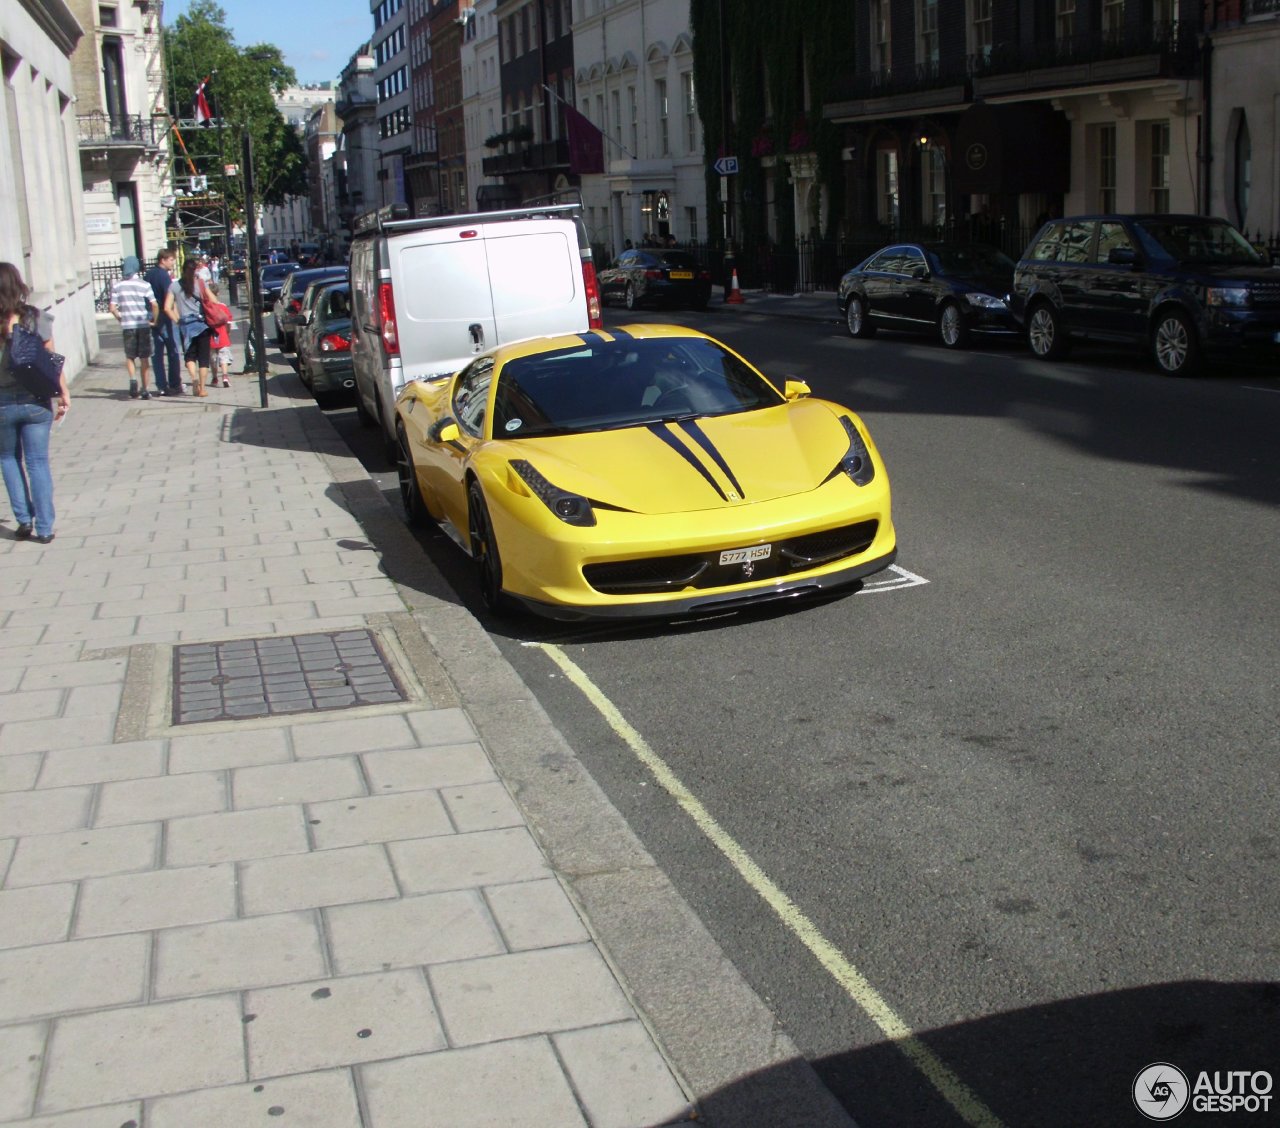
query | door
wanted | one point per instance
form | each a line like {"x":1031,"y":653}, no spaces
{"x":879,"y":281}
{"x":916,"y":295}
{"x":535,"y":276}
{"x":1117,"y":303}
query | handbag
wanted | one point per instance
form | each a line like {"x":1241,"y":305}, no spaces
{"x":215,"y":313}
{"x":37,"y":369}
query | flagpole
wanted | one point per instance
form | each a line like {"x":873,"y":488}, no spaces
{"x":563,"y":101}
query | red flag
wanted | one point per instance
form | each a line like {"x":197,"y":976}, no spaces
{"x":202,"y":115}
{"x":586,"y":142}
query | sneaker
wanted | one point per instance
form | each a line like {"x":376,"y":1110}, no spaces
{"x":145,"y":394}
{"x":133,"y":389}
{"x":225,"y":382}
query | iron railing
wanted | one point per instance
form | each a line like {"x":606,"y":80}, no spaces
{"x":121,"y":129}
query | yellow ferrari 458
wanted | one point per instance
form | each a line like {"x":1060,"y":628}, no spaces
{"x":641,"y":471}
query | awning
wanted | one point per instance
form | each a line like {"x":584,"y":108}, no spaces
{"x":1014,"y":148}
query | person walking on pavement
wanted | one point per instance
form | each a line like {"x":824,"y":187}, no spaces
{"x":193,"y":331}
{"x":25,"y":419}
{"x":133,"y":304}
{"x":164,"y":331}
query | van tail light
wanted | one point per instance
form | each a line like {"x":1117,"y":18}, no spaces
{"x":387,"y":318}
{"x":295,"y":305}
{"x":335,"y":342}
{"x":653,"y":275}
{"x":592,"y":287}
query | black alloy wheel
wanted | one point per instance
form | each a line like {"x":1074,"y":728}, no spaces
{"x":1174,"y":345}
{"x":415,"y":509}
{"x":484,"y":550}
{"x":952,"y":330}
{"x":855,"y":317}
{"x":1046,"y":336}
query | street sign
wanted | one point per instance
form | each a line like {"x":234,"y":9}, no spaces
{"x":726,"y":166}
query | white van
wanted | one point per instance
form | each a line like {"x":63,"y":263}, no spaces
{"x":428,"y":294}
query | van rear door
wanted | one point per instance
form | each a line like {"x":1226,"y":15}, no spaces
{"x":535,"y":275}
{"x":444,"y":309}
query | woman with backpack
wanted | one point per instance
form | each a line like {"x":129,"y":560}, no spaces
{"x":185,"y":306}
{"x":25,"y":417}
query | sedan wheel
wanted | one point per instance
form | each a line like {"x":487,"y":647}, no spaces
{"x":1044,"y":333}
{"x":1174,"y":345}
{"x":630,"y":296}
{"x":951,"y":327}
{"x":415,"y":510}
{"x":855,"y":316}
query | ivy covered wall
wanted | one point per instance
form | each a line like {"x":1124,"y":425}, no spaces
{"x":775,"y":48}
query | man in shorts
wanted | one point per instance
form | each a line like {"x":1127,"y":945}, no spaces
{"x":133,"y":304}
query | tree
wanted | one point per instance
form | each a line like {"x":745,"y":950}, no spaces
{"x":242,"y":87}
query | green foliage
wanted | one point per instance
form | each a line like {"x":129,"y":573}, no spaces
{"x":775,"y":48}
{"x":242,"y":87}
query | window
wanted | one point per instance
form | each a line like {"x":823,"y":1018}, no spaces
{"x":664,"y":137}
{"x":1242,"y":152}
{"x":107,"y":17}
{"x":927,"y":25}
{"x":1160,"y":166}
{"x":980,"y":36}
{"x":615,"y":105}
{"x":935,"y":186}
{"x":524,"y":31}
{"x":690,"y":113}
{"x":1076,"y":238}
{"x":472,"y":396}
{"x":1111,"y":237}
{"x":887,"y":186}
{"x":691,"y":224}
{"x":880,"y":45}
{"x":1064,"y":22}
{"x":1107,"y":168}
{"x":633,"y":112}
{"x":1112,"y":19}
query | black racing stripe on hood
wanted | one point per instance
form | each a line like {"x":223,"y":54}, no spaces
{"x":591,"y":337}
{"x":700,"y":437}
{"x":623,"y":333}
{"x":660,"y":431}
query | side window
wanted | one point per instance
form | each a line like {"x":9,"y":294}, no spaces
{"x":911,"y":260}
{"x":471,"y":396}
{"x":883,"y":262}
{"x":1111,"y":236}
{"x":1075,"y":242}
{"x":1046,"y":248}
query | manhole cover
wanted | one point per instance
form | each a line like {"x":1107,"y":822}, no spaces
{"x":268,"y":677}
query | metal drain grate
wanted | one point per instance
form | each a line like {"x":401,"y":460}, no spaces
{"x":268,"y":677}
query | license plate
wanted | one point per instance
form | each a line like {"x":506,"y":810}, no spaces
{"x":681,"y":274}
{"x":743,"y":555}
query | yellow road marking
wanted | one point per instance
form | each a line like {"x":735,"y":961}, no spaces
{"x":954,"y":1091}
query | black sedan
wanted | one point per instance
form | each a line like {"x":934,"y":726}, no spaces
{"x":272,"y":281}
{"x":952,"y":289}
{"x":656,"y":276}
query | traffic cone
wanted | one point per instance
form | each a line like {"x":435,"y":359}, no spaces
{"x":735,"y":294}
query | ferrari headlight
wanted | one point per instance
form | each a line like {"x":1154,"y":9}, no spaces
{"x":985,"y":301}
{"x":571,"y":508}
{"x":857,"y":460}
{"x":1227,"y":296}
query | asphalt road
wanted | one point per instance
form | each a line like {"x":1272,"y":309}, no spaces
{"x":1029,"y":805}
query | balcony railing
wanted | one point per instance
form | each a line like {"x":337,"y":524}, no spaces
{"x":121,"y":129}
{"x":1261,"y":8}
{"x":529,"y":158}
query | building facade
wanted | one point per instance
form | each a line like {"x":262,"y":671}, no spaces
{"x":391,"y":61}
{"x":125,"y":163}
{"x":291,"y":221}
{"x":322,"y":132}
{"x":633,"y":69}
{"x":44,"y":232}
{"x":356,"y":161}
{"x":481,"y":100}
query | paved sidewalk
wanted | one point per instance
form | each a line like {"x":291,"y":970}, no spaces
{"x":370,"y":912}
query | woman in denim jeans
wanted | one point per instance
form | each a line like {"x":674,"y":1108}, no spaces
{"x":25,"y":420}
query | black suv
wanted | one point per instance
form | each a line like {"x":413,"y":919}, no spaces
{"x":1182,"y":285}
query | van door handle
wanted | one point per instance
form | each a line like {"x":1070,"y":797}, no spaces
{"x":477,"y":335}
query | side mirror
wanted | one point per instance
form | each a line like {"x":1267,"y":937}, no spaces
{"x":1122,"y":256}
{"x":445,"y":431}
{"x":795,"y":389}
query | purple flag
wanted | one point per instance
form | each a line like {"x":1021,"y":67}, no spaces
{"x":586,"y":142}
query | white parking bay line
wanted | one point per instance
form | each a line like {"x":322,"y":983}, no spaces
{"x":897,"y":578}
{"x":954,"y":1091}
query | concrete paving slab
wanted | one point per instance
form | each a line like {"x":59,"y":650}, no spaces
{"x":43,"y":858}
{"x":481,"y":806}
{"x":334,"y":1022}
{"x":52,"y":979}
{"x":149,"y":1051}
{"x":380,"y":818}
{"x":128,"y":1115}
{"x":414,"y":769}
{"x":21,"y":1051}
{"x":65,"y":767}
{"x":351,"y":734}
{"x":535,"y":914}
{"x":489,"y":857}
{"x":234,"y":836}
{"x":40,"y":914}
{"x":314,"y":781}
{"x":161,"y":797}
{"x":308,"y":881}
{"x":309,"y":1100}
{"x":33,"y":812}
{"x":19,"y":772}
{"x":140,"y":902}
{"x":243,"y":747}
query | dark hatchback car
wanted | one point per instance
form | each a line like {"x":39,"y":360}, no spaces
{"x":324,"y":342}
{"x":1183,"y":286}
{"x":288,"y":303}
{"x":656,"y":276}
{"x":272,"y":279}
{"x":951,"y":289}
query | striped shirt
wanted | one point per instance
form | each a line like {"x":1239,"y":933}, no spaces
{"x":133,"y":296}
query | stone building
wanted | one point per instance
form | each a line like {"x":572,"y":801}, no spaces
{"x":43,"y":233}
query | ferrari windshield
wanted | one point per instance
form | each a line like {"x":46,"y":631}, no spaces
{"x":601,"y":385}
